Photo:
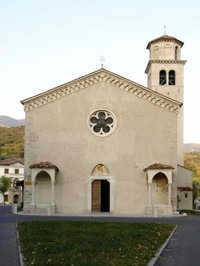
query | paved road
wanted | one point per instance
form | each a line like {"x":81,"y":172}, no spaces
{"x":182,"y":250}
{"x":184,"y":246}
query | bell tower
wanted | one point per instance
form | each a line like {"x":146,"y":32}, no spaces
{"x":165,"y":75}
{"x":165,"y":69}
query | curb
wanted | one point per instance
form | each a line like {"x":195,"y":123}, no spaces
{"x":157,"y":255}
{"x":21,"y":262}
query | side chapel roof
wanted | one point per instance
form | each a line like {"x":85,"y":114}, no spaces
{"x":158,"y":166}
{"x":101,"y":75}
{"x":44,"y":165}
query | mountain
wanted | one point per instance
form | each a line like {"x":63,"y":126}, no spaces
{"x":7,"y":121}
{"x":192,"y":147}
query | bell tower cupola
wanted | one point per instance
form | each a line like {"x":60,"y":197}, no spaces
{"x":165,"y":69}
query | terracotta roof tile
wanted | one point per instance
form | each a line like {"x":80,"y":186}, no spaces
{"x":158,"y":166}
{"x":185,"y":188}
{"x":44,"y":165}
{"x":11,"y":161}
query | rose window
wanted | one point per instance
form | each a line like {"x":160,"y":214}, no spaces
{"x":101,"y":122}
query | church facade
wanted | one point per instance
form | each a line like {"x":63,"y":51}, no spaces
{"x":103,"y":143}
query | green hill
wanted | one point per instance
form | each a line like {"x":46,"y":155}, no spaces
{"x":11,"y":142}
{"x":192,"y":162}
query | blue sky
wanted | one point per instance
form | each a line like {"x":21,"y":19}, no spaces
{"x":45,"y":43}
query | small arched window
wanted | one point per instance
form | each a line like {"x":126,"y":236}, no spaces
{"x":162,"y":77}
{"x":172,"y":79}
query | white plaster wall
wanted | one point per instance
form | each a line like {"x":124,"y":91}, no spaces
{"x":184,"y":177}
{"x":164,"y":50}
{"x":58,"y":132}
{"x":174,"y":92}
{"x":11,"y":168}
{"x":186,"y":202}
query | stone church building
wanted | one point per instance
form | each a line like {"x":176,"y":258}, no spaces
{"x":104,"y":143}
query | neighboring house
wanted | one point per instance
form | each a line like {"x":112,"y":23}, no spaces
{"x":13,"y":168}
{"x":184,"y":186}
{"x":103,"y":143}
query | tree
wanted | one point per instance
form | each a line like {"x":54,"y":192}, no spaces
{"x":196,"y":188}
{"x":5,"y":185}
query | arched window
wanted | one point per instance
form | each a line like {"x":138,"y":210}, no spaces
{"x":172,"y":80}
{"x":162,"y":77}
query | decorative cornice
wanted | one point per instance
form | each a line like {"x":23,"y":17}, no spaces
{"x":99,"y":76}
{"x":175,"y":62}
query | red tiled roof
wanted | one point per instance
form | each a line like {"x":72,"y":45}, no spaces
{"x":44,"y":165}
{"x":11,"y":161}
{"x":158,"y":166}
{"x":185,"y":188}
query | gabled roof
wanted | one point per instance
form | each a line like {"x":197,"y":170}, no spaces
{"x":165,"y":38}
{"x":156,"y":166}
{"x":101,"y":75}
{"x":184,"y":167}
{"x":11,"y":161}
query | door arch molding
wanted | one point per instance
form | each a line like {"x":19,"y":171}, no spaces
{"x":101,"y":173}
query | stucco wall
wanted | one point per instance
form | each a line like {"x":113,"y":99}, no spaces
{"x":58,"y":132}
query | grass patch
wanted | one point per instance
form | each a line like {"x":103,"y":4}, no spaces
{"x":90,"y":243}
{"x":191,"y":212}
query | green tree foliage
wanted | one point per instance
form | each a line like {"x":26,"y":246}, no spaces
{"x":192,"y":162}
{"x":196,"y":188}
{"x":11,"y":142}
{"x":5,"y":184}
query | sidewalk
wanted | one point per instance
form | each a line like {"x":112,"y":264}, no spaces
{"x":184,"y":247}
{"x":9,"y":254}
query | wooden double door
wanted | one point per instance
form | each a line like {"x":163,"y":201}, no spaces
{"x":100,"y":196}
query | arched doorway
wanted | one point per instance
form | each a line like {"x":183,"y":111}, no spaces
{"x":100,"y":189}
{"x":16,"y":199}
{"x":160,"y":189}
{"x":43,"y":177}
{"x":100,"y":196}
{"x":159,"y":178}
{"x":43,"y":188}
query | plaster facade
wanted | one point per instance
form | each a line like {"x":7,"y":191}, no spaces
{"x":71,"y":170}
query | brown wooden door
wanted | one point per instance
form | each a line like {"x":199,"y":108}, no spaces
{"x":96,"y":196}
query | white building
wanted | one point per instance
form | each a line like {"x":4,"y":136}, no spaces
{"x":14,"y":169}
{"x":104,"y":143}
